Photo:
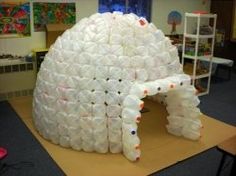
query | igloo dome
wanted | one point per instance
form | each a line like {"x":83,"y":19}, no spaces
{"x":90,"y":86}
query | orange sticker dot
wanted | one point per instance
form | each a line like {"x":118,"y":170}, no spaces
{"x":141,"y":105}
{"x":145,"y":92}
{"x":141,"y":22}
{"x":138,"y":119}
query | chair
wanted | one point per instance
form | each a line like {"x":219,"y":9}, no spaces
{"x":228,"y":147}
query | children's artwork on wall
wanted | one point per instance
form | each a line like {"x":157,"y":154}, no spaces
{"x":52,"y":13}
{"x":174,"y":19}
{"x":14,"y":19}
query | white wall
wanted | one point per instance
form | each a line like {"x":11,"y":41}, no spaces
{"x":84,"y":8}
{"x":161,"y":9}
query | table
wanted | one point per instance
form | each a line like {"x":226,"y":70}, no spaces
{"x":228,"y":147}
{"x":219,"y":63}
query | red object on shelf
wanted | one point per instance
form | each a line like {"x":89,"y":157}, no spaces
{"x":3,"y":152}
{"x":200,"y":12}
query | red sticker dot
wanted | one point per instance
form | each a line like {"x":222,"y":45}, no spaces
{"x":142,"y":22}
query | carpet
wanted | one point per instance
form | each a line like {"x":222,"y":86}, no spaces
{"x":159,"y":149}
{"x":26,"y":156}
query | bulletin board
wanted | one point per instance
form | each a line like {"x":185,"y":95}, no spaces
{"x":14,"y":19}
{"x":52,"y":13}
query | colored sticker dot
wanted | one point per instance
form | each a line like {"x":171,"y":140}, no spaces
{"x":138,"y":119}
{"x":145,"y":92}
{"x":141,"y":105}
{"x":141,"y":22}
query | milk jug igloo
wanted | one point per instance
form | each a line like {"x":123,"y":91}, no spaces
{"x":90,"y":86}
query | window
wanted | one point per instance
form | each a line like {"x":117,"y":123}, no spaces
{"x":141,"y":8}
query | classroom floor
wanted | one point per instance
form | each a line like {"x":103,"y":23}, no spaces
{"x":159,"y":149}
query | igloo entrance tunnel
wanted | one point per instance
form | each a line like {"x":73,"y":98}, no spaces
{"x":90,"y":86}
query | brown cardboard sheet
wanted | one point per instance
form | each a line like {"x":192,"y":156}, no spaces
{"x":159,"y":149}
